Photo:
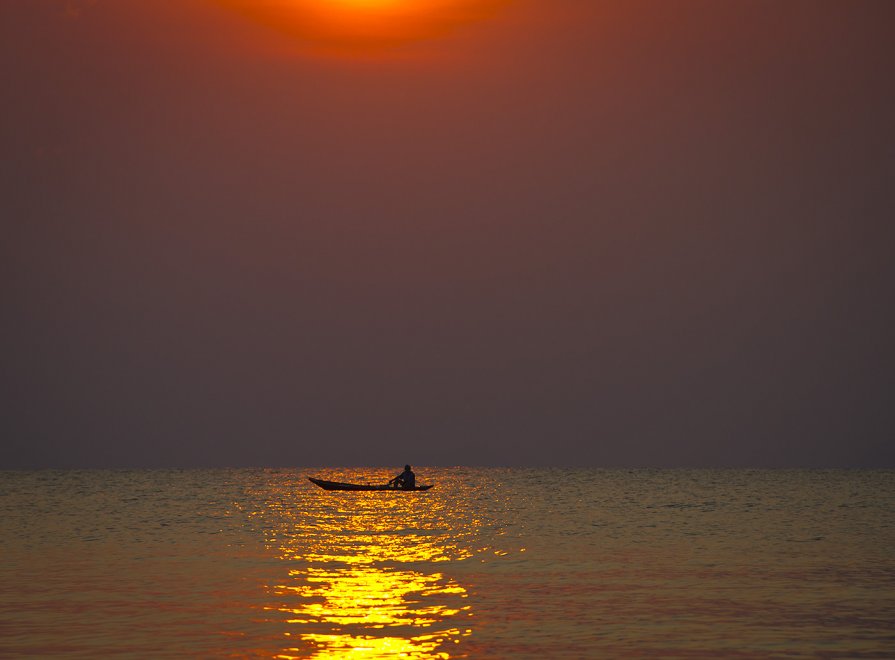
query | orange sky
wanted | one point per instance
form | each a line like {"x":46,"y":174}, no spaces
{"x":603,"y":232}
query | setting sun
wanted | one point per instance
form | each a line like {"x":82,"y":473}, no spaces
{"x":363,"y":25}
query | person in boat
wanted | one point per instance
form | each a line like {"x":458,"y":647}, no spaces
{"x":405,"y":480}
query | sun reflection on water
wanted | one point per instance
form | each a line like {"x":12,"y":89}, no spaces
{"x":368,"y":576}
{"x":408,"y":607}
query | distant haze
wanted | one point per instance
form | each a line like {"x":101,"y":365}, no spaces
{"x":574,"y":232}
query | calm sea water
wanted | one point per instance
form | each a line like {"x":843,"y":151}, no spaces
{"x":488,"y":564}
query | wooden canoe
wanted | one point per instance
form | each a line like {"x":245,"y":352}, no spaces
{"x":338,"y":485}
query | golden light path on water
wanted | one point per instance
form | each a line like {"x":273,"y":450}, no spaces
{"x":368,"y":575}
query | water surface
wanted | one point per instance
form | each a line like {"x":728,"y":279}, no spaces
{"x":488,"y":564}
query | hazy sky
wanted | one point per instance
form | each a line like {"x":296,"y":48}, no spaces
{"x":484,"y":232}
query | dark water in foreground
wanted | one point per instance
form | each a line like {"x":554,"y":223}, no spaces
{"x":488,"y":564}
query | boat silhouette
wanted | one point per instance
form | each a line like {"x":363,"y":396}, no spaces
{"x":338,"y":485}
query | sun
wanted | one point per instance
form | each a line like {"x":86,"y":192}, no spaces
{"x":367,"y":4}
{"x":363,"y":25}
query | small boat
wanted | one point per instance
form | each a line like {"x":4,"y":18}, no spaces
{"x":338,"y":485}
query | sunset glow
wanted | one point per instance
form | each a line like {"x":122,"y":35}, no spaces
{"x":343,"y":26}
{"x":613,"y":279}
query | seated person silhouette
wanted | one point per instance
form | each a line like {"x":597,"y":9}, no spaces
{"x":406,"y":480}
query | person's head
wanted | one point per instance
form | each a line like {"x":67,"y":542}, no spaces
{"x":407,"y":468}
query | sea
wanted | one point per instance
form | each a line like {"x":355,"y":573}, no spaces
{"x":489,"y":563}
